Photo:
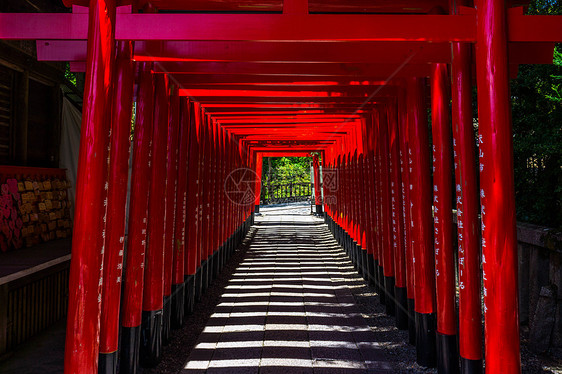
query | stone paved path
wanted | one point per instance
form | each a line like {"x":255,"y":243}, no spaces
{"x":287,"y":308}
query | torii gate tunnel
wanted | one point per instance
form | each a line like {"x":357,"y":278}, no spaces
{"x":218,"y":85}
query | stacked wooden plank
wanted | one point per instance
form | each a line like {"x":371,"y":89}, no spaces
{"x":34,"y":208}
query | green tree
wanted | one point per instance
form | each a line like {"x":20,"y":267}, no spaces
{"x":537,"y":128}
{"x":287,"y":170}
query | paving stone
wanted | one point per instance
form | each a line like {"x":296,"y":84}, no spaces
{"x":233,"y":370}
{"x":287,"y":335}
{"x":337,"y":353}
{"x":288,"y":309}
{"x":241,"y":336}
{"x":286,"y":319}
{"x":283,"y":369}
{"x":236,"y":364}
{"x":242,"y":353}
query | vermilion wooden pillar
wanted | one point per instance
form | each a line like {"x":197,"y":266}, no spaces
{"x":210,"y":197}
{"x":317,"y":184}
{"x":354,"y":216}
{"x":138,"y":218}
{"x":420,"y":180}
{"x":378,"y":208}
{"x":192,"y":275}
{"x":372,"y":251}
{"x":363,"y":197}
{"x":221,"y":204}
{"x":342,"y":196}
{"x":216,"y":198}
{"x":365,"y":205}
{"x":467,"y":204}
{"x":198,"y":201}
{"x":405,"y":168}
{"x":229,"y":215}
{"x":179,"y":271}
{"x":170,"y":193}
{"x":153,"y":291}
{"x":322,"y":189}
{"x":205,"y":186}
{"x":497,"y":196}
{"x":82,"y":333}
{"x":201,"y":210}
{"x":259,"y":166}
{"x":447,"y":352}
{"x":400,"y":291}
{"x":116,"y":198}
{"x":386,"y":219}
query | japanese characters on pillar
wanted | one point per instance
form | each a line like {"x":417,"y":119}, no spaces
{"x":86,"y":269}
{"x":193,"y":256}
{"x":467,"y":204}
{"x":386,"y":222}
{"x":372,"y":257}
{"x":170,"y":214}
{"x":153,"y":291}
{"x":181,"y":292}
{"x":420,"y":183}
{"x":378,"y":207}
{"x":497,"y":192}
{"x":398,"y":247}
{"x":116,"y":199}
{"x":138,"y":219}
{"x":405,"y":169}
{"x":443,"y":222}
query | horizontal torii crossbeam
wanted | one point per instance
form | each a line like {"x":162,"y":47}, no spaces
{"x":279,"y":27}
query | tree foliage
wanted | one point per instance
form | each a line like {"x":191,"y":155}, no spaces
{"x":537,"y":128}
{"x":286,"y":170}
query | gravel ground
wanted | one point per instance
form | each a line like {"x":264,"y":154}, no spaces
{"x":401,"y":354}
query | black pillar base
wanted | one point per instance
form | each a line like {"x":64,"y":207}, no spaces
{"x":371,"y":269}
{"x":229,"y":247}
{"x":411,"y":322}
{"x":222,"y":257}
{"x":319,"y":209}
{"x":198,"y":284}
{"x":130,"y":346}
{"x":217,"y":270}
{"x":339,"y":235}
{"x":365,"y":264}
{"x":382,"y":293}
{"x":189,"y":291}
{"x":166,"y":319}
{"x":204,"y":276}
{"x":376,"y":276}
{"x":447,"y":354}
{"x":355,"y":250}
{"x":212,"y":268}
{"x":151,"y":338}
{"x":389,"y":296}
{"x":178,"y":305}
{"x":425,"y":340}
{"x":360,"y":266}
{"x":257,"y":209}
{"x":471,"y":366}
{"x":401,"y":307}
{"x":107,"y":363}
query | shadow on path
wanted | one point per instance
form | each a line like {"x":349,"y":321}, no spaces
{"x":288,"y":308}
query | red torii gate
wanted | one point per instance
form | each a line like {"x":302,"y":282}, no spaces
{"x":349,"y":85}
